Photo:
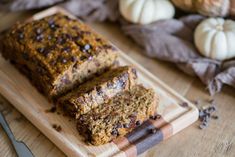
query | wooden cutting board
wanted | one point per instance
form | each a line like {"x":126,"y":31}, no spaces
{"x":174,"y":116}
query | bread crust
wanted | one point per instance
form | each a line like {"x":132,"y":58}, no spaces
{"x":57,"y":53}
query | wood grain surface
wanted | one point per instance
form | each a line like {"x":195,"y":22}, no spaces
{"x":217,"y":140}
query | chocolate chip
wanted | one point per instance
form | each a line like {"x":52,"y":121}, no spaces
{"x":87,"y":47}
{"x":21,"y":36}
{"x":49,"y":37}
{"x":41,"y":50}
{"x":60,"y":40}
{"x":152,"y":117}
{"x":212,"y":108}
{"x":65,"y":79}
{"x":196,"y":102}
{"x":66,"y":49}
{"x":39,"y":37}
{"x":119,"y":125}
{"x":184,"y":104}
{"x":68,"y":36}
{"x":120,"y":84}
{"x":38,"y":31}
{"x":155,"y":117}
{"x":57,"y":127}
{"x":73,"y":59}
{"x":138,"y":123}
{"x":110,"y":85}
{"x":99,"y":90}
{"x":201,"y":113}
{"x":64,"y":60}
{"x":153,"y":130}
{"x":215,"y":117}
{"x":51,"y":21}
{"x":125,"y":76}
{"x":46,"y":52}
{"x":53,"y":26}
{"x":205,"y":119}
{"x":126,"y":125}
{"x":114,"y":132}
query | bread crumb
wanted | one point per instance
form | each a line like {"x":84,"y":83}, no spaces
{"x":57,"y":127}
{"x":51,"y":110}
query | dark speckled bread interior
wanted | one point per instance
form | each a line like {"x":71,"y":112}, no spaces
{"x":120,"y":115}
{"x":98,"y":90}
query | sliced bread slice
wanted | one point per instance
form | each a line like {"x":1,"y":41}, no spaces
{"x":119,"y":116}
{"x":98,"y":90}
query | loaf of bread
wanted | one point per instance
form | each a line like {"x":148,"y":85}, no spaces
{"x":57,"y":53}
{"x":70,"y":63}
{"x":119,"y":116}
{"x":98,"y":90}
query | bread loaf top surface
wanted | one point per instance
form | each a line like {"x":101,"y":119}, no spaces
{"x":56,"y":43}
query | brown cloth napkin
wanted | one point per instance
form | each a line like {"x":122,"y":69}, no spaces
{"x":168,"y":40}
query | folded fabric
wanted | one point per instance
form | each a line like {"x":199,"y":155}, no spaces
{"x":168,"y":40}
{"x":172,"y":40}
{"x":18,"y":5}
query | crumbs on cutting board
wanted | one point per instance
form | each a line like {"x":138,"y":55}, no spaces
{"x":51,"y":110}
{"x":57,"y":127}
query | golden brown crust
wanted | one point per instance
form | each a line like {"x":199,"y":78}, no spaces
{"x":62,"y":51}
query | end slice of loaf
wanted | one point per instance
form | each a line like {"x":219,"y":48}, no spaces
{"x":57,"y":53}
{"x":98,"y":90}
{"x":119,"y":116}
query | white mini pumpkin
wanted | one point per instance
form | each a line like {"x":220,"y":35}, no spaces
{"x":215,"y":38}
{"x":146,"y":11}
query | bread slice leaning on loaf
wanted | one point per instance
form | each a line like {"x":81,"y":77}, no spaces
{"x":98,"y":90}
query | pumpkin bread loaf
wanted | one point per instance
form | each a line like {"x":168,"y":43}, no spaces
{"x":97,"y":91}
{"x":119,"y":116}
{"x":57,"y":52}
